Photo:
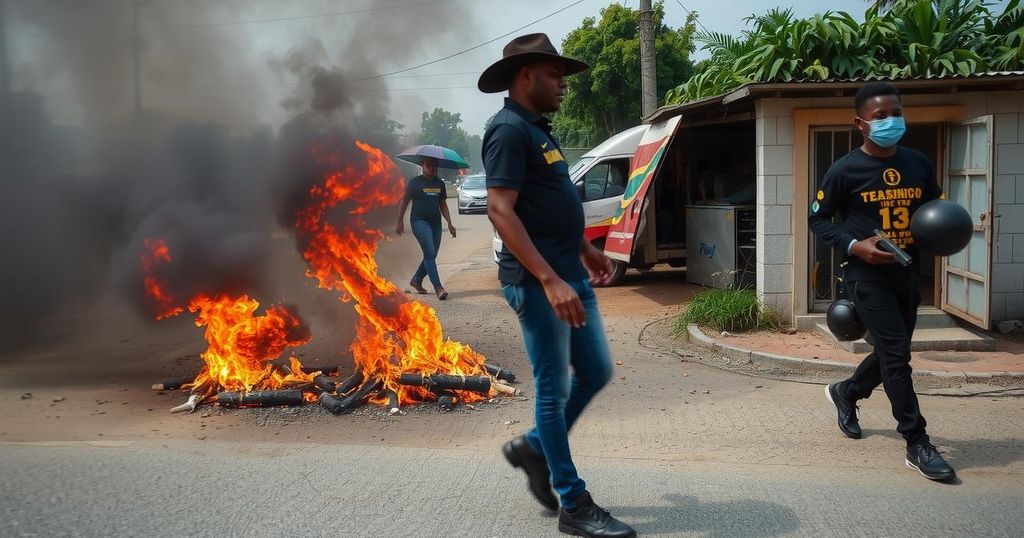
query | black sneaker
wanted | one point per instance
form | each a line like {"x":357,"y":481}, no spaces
{"x":924,"y":457}
{"x":589,"y":519}
{"x":848,"y":423}
{"x":520,"y":454}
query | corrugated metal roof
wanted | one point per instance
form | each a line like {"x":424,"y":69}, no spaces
{"x":989,"y":74}
{"x":754,"y":89}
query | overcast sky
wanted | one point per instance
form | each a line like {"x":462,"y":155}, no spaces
{"x":240,"y":39}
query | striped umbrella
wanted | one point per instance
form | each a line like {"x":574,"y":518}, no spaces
{"x":446,"y":158}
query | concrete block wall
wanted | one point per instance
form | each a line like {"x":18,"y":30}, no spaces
{"x":1008,"y":199}
{"x":774,"y":134}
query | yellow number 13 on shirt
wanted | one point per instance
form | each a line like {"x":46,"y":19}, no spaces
{"x":902,"y":215}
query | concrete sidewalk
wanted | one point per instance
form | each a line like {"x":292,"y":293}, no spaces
{"x":810,"y":356}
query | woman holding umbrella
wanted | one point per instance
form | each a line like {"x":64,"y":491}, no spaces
{"x":427,"y":194}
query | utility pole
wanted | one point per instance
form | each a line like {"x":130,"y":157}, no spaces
{"x":648,"y":78}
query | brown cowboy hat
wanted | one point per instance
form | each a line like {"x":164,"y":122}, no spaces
{"x":519,"y":52}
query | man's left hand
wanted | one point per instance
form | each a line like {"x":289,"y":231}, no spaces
{"x":451,"y":229}
{"x":598,"y":265}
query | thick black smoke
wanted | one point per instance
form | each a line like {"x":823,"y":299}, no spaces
{"x":81,"y":196}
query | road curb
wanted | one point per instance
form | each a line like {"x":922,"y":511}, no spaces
{"x":821,"y":368}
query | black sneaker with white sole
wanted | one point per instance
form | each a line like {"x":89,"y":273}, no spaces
{"x":848,"y":423}
{"x":924,"y":457}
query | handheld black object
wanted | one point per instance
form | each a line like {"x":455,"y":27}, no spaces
{"x":844,"y":322}
{"x":887,"y":245}
{"x":942,"y":227}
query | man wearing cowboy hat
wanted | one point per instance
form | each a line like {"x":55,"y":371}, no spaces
{"x":544,"y":267}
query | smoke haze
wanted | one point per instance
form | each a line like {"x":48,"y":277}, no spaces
{"x":196,"y":165}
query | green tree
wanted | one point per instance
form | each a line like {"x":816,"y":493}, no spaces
{"x":912,"y":38}
{"x":606,"y":99}
{"x":475,"y":144}
{"x":441,"y":128}
{"x":380,"y":131}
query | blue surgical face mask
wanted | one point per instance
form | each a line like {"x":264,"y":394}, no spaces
{"x":887,"y":132}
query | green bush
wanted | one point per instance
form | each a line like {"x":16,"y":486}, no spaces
{"x":727,"y":310}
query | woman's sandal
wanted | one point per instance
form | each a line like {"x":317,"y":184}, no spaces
{"x":418,"y":286}
{"x":442,"y":294}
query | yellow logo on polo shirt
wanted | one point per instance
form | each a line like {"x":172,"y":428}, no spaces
{"x":553,"y":156}
{"x":821,"y":195}
{"x":891,"y":177}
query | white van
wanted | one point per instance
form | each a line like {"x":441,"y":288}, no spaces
{"x":600,"y":176}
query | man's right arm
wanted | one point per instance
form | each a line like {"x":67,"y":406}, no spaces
{"x":827,"y":202}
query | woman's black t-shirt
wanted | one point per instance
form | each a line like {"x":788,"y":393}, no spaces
{"x":427,"y":195}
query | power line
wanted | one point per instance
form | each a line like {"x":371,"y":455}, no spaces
{"x":474,"y":47}
{"x":392,"y":73}
{"x":412,"y":89}
{"x":288,"y":86}
{"x":440,"y":74}
{"x":294,"y":84}
{"x":696,"y":19}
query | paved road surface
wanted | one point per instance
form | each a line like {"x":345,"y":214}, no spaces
{"x":748,"y":457}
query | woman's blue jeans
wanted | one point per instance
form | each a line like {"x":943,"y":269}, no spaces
{"x":553,"y":346}
{"x":428,"y":235}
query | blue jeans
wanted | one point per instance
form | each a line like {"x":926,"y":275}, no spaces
{"x":553,"y":346}
{"x":428,"y":235}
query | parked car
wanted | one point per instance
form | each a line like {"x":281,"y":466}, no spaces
{"x":473,"y":194}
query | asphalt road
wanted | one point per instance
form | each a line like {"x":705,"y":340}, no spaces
{"x":227,"y":489}
{"x":672,"y":447}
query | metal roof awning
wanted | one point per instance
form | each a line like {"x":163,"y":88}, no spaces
{"x":741,"y":99}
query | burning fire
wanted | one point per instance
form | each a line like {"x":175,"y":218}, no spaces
{"x":394,"y":334}
{"x":157,"y":253}
{"x":241,"y":344}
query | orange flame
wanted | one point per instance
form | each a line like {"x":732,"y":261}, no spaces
{"x":157,"y":253}
{"x":241,"y":345}
{"x":394,"y":334}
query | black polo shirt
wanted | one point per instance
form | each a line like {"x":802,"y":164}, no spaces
{"x":520,"y":153}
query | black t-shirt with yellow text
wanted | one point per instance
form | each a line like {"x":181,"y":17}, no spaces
{"x":872,"y":193}
{"x":427,"y":195}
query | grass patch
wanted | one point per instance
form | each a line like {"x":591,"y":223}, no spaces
{"x":727,"y":310}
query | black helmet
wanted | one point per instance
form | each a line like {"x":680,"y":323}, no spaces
{"x":843,"y":321}
{"x":942,"y":227}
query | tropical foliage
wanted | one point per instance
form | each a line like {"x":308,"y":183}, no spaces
{"x":906,"y":38}
{"x":606,"y":99}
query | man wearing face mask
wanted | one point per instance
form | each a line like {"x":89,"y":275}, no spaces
{"x":878,"y":186}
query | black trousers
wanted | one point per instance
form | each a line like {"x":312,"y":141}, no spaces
{"x":889,"y":310}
